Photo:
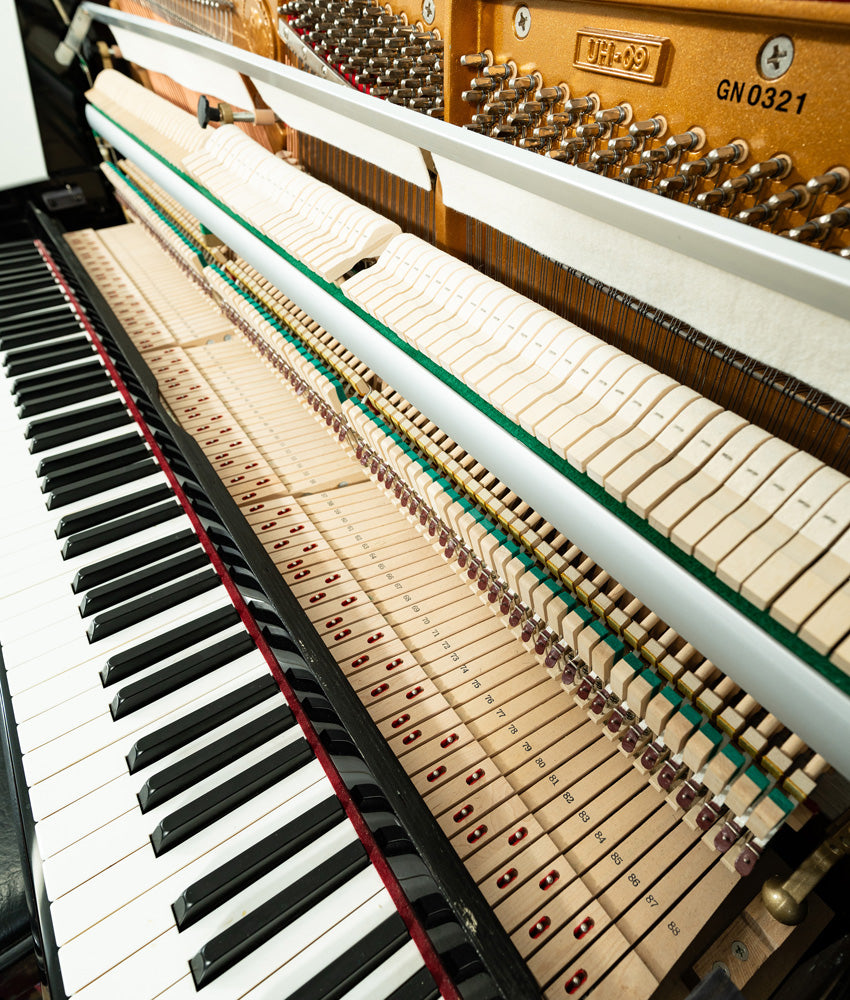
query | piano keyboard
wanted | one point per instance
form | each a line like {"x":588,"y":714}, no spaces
{"x":463,"y":703}
{"x":190,"y":838}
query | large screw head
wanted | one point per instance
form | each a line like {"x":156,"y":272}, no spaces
{"x":775,"y":57}
{"x":522,"y":21}
{"x":429,"y":11}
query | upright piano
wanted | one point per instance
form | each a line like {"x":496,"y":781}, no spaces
{"x":427,"y":552}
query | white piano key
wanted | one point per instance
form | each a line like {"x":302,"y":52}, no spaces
{"x":26,"y":461}
{"x":95,"y":808}
{"x":94,"y":757}
{"x":25,"y":671}
{"x":78,"y":648}
{"x":272,"y":957}
{"x":67,"y":410}
{"x":114,"y":887}
{"x":389,"y":976}
{"x":63,"y":717}
{"x":48,"y":562}
{"x":83,"y":681}
{"x":121,"y":835}
{"x":352,"y":929}
{"x":148,"y":916}
{"x":50,"y":518}
{"x":92,"y":703}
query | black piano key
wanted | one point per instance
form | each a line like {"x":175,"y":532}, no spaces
{"x":100,"y":514}
{"x":210,"y":891}
{"x":23,"y":282}
{"x":151,"y":747}
{"x":45,"y":291}
{"x":229,"y":795}
{"x":90,"y":539}
{"x":35,"y":326}
{"x":231,"y":945}
{"x":72,"y":419}
{"x":45,"y":348}
{"x":40,"y":315}
{"x":159,"y":683}
{"x":141,"y":581}
{"x":142,"y":655}
{"x":353,"y":965}
{"x":391,"y":838}
{"x":108,"y":569}
{"x":15,"y":273}
{"x":125,"y":448}
{"x":151,"y":603}
{"x":23,"y":303}
{"x":101,"y":482}
{"x":90,"y":388}
{"x":419,"y":986}
{"x":53,"y":439}
{"x":181,"y":775}
{"x":33,"y":386}
{"x":25,"y":366}
{"x":38,"y":334}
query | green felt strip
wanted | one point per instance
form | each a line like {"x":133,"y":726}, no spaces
{"x":592,"y":489}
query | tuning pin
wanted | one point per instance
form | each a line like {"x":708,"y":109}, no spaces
{"x":552,"y":95}
{"x":592,"y":130}
{"x":623,"y":144}
{"x":581,"y":105}
{"x":697,"y":168}
{"x":832,"y":182}
{"x":613,"y":116}
{"x":715,"y":198}
{"x":546,"y":132}
{"x":504,"y":131}
{"x":572,"y":147}
{"x":476,"y":60}
{"x":791,"y":198}
{"x":777,"y":167}
{"x":733,"y":152}
{"x":684,"y":142}
{"x":638,"y":172}
{"x":649,"y":129}
{"x":673,"y":185}
{"x":605,"y":159}
{"x":498,"y":71}
{"x":820,"y":228}
{"x":524,"y":83}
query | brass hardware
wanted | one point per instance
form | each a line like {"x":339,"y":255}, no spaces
{"x":785,"y":899}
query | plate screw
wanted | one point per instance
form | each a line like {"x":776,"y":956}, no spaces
{"x":522,"y":21}
{"x":776,"y":57}
{"x":429,"y":11}
{"x":740,"y":950}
